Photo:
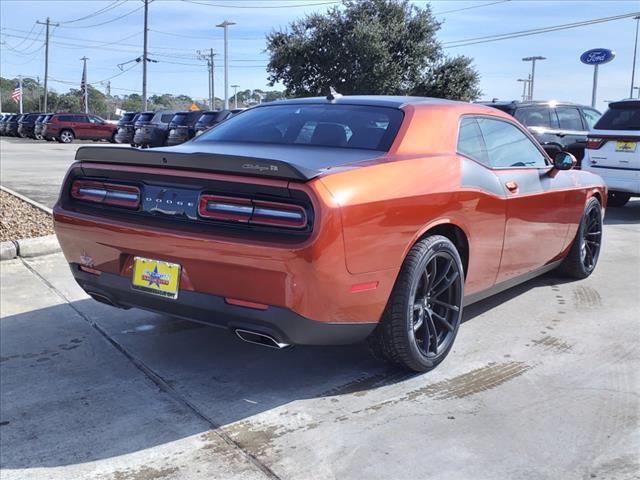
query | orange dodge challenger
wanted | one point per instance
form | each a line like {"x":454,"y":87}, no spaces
{"x":330,"y":220}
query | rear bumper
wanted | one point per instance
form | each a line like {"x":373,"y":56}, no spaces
{"x":124,"y":136}
{"x":282,"y":324}
{"x":619,"y":179}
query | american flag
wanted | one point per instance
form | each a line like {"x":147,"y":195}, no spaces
{"x":17,"y":93}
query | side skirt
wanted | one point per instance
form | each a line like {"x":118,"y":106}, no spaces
{"x":512,"y":282}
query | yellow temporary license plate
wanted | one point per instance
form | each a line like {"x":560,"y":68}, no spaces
{"x":626,"y":146}
{"x":157,"y":277}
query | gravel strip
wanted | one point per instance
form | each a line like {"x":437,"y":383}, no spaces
{"x":19,"y":219}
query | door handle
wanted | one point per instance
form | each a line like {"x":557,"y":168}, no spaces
{"x":511,"y":186}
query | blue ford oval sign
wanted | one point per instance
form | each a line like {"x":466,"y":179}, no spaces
{"x":597,"y":56}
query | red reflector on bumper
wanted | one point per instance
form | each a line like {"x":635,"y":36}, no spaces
{"x":363,"y":287}
{"x":90,"y":270}
{"x":244,"y":303}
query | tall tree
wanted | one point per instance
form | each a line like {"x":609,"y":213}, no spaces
{"x":367,"y":47}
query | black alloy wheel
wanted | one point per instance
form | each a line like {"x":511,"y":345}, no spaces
{"x":591,"y":238}
{"x":421,"y":320}
{"x":583,"y":256}
{"x":436,"y":305}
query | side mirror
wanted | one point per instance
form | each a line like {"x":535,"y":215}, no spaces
{"x":564,"y":161}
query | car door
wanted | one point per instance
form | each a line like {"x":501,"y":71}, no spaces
{"x":100,"y":129}
{"x":81,"y":126}
{"x":572,"y":130}
{"x":539,"y":200}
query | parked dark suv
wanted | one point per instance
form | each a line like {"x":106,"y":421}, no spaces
{"x":65,"y":127}
{"x":182,"y":127}
{"x":3,"y":123}
{"x":27,"y":124}
{"x":558,"y":126}
{"x":11,"y":129}
{"x":126,"y":129}
{"x":152,"y":128}
{"x":38,"y":126}
{"x":211,"y":118}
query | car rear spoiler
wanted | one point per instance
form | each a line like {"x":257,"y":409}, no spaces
{"x":211,"y":162}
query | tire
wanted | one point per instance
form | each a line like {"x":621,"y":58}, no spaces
{"x":113,"y":138}
{"x":618,"y":199}
{"x":420,"y":321}
{"x":582,"y":259}
{"x":66,"y":136}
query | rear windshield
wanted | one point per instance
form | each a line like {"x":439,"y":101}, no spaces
{"x":145,"y":117}
{"x":46,"y":118}
{"x":127,"y":118}
{"x":179,"y":118}
{"x":210,"y":117}
{"x":621,"y":116}
{"x":345,"y":126}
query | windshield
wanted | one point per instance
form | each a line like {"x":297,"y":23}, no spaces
{"x":345,"y":126}
{"x":620,"y":116}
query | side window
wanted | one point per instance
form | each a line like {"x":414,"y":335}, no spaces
{"x":470,"y":141}
{"x":591,"y":117}
{"x":534,"y":116}
{"x":65,"y":118}
{"x":569,"y":118}
{"x":507,"y":146}
{"x":80,"y":118}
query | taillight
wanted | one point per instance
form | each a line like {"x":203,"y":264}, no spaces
{"x":127,"y":196}
{"x":257,"y":212}
{"x":594,"y":143}
{"x":225,"y":208}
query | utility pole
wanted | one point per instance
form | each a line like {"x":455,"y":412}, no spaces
{"x":635,"y":53}
{"x":46,"y":58}
{"x":525,"y":88}
{"x":226,"y":25}
{"x":85,"y":86}
{"x":208,"y":57}
{"x":533,"y":72}
{"x":144,"y":56}
{"x":235,"y":95}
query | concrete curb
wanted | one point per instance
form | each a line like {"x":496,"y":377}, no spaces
{"x":8,"y":250}
{"x":27,"y":199}
{"x":28,"y":247}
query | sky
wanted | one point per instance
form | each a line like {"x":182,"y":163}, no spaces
{"x":179,"y":28}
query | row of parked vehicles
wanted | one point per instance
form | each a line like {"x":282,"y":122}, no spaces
{"x":143,"y":129}
{"x":608,"y":145}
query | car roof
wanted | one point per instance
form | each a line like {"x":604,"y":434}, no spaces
{"x":395,"y":101}
{"x":530,"y":103}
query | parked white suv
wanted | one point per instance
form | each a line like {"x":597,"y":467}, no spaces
{"x":613,"y":150}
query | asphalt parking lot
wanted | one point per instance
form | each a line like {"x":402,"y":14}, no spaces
{"x":543,"y":382}
{"x":36,"y":168}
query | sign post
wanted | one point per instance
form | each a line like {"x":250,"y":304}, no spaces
{"x":596,"y":57}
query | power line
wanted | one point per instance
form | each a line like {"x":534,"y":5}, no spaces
{"x":316,"y":4}
{"x":96,"y":13}
{"x":471,"y":7}
{"x":108,"y":21}
{"x":536,"y":31}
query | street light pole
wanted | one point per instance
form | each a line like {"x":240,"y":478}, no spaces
{"x":226,"y":25}
{"x":533,"y":72}
{"x":235,"y":95}
{"x":635,"y":52}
